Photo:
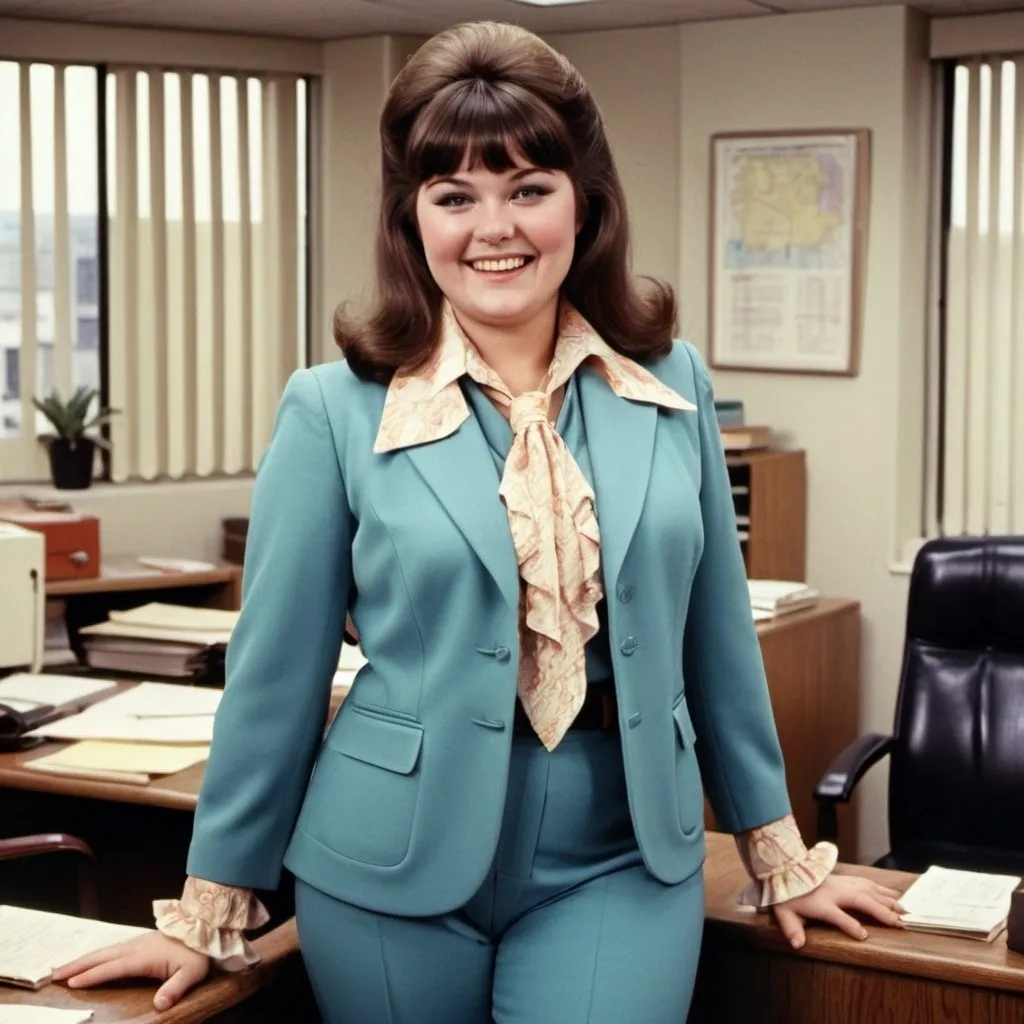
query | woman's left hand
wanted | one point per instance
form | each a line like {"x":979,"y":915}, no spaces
{"x":830,"y":903}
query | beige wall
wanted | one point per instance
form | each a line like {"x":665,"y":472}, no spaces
{"x":173,"y":519}
{"x":860,"y":68}
{"x":634,"y":74}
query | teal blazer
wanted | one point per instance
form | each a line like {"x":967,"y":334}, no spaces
{"x":399,"y":808}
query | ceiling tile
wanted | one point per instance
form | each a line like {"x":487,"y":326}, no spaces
{"x":328,"y":19}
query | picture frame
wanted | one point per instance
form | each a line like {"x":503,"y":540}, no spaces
{"x":787,"y":245}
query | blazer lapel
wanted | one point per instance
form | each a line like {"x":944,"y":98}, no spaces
{"x":620,"y":439}
{"x":453,"y":468}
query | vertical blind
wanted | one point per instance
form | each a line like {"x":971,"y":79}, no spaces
{"x":207,"y":219}
{"x":981,"y":447}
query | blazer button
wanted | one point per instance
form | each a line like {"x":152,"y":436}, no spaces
{"x":502,"y":654}
{"x":629,"y":645}
{"x":624,"y":592}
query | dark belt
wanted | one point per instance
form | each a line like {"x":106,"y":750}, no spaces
{"x":600,"y":712}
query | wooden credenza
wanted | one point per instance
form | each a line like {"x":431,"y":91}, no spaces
{"x":812,"y":661}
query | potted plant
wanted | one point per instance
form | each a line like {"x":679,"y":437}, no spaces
{"x":71,"y":450}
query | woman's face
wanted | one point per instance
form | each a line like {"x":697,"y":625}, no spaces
{"x":499,"y":245}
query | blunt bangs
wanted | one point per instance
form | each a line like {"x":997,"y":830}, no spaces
{"x":497,"y":124}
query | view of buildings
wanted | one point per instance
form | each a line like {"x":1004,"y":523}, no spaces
{"x":84,"y":304}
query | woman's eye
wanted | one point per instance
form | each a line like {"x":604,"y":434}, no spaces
{"x":453,"y":199}
{"x":531,"y":192}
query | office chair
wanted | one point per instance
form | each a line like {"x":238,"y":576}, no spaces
{"x":956,"y":775}
{"x":57,"y":842}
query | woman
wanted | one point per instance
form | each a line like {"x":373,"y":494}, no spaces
{"x":514,"y":485}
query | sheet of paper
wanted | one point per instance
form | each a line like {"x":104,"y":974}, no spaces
{"x":147,"y":713}
{"x":199,"y":637}
{"x":940,"y":888}
{"x":174,"y":616}
{"x":151,"y":758}
{"x":42,"y":1015}
{"x":33,"y":942}
{"x":176,"y":564}
{"x":25,"y":690}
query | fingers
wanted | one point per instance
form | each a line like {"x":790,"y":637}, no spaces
{"x":834,"y":915}
{"x":176,"y":986}
{"x":108,"y":970}
{"x":791,"y":926}
{"x":84,"y":963}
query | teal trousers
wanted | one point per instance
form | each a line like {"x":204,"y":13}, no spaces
{"x":567,"y":928}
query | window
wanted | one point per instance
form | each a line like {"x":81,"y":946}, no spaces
{"x":49,"y":221}
{"x":168,"y":270}
{"x":979,"y":398}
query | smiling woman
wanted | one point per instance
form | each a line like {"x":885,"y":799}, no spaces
{"x":574,"y":683}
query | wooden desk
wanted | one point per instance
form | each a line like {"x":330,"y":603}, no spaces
{"x":219,"y":587}
{"x":749,"y":974}
{"x":133,"y":1004}
{"x":812,"y":661}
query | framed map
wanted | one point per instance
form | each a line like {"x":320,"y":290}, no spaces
{"x":787,"y":240}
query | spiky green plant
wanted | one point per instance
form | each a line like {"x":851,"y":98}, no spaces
{"x":71,"y":419}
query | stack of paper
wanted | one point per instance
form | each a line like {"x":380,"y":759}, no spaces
{"x":147,"y":713}
{"x":33,"y":942}
{"x":965,"y":903}
{"x":769,"y":598}
{"x":168,"y":640}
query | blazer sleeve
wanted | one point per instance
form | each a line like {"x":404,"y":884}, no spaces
{"x":283,"y":651}
{"x":738,"y":748}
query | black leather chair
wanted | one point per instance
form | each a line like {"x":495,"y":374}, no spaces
{"x":956,"y":775}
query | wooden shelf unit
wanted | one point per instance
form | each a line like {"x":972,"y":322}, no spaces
{"x":770,"y":496}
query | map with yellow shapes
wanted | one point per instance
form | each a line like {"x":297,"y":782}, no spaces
{"x":786,"y":211}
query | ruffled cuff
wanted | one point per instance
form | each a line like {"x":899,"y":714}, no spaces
{"x":210,"y":919}
{"x":780,"y":866}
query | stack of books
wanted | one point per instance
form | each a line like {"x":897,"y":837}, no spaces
{"x":771,"y":598}
{"x":167,"y":640}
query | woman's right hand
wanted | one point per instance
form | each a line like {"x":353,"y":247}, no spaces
{"x":148,"y":956}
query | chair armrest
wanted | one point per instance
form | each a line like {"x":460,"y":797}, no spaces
{"x":843,"y":774}
{"x":49,"y":842}
{"x":59,"y":842}
{"x":846,"y":770}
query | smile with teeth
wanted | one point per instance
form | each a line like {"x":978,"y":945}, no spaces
{"x":496,"y":266}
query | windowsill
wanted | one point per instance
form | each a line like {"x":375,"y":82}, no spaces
{"x":903,"y":563}
{"x":104,"y":490}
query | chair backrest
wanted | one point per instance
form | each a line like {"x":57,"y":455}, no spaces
{"x":957,"y":771}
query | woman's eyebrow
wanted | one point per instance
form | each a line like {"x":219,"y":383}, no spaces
{"x":523,"y":172}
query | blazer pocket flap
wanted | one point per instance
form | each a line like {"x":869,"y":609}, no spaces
{"x":388,"y":743}
{"x":684,"y":726}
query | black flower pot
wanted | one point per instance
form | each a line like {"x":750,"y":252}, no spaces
{"x":71,"y":463}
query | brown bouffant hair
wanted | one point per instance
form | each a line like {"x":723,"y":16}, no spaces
{"x":487,"y":93}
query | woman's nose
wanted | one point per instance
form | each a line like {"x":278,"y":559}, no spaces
{"x":495,"y":223}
